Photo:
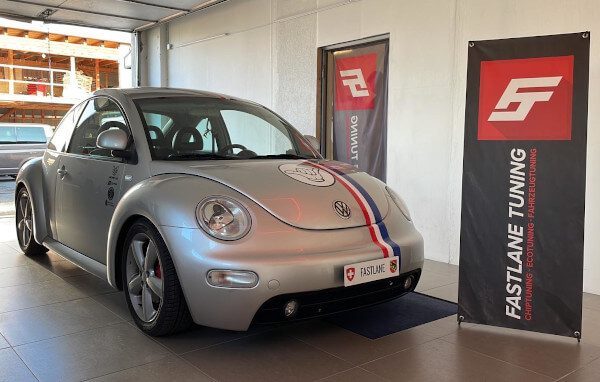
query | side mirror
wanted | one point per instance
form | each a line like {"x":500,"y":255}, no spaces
{"x":113,"y":139}
{"x":314,"y":142}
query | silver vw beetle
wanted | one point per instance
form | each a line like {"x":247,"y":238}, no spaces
{"x":206,"y":208}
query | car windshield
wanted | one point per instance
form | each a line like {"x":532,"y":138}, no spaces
{"x":199,"y":128}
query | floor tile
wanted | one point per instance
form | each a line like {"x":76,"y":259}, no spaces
{"x":546,"y":354}
{"x":115,"y":302}
{"x":198,"y":337}
{"x":90,"y":284}
{"x":267,"y":356}
{"x":35,"y":324}
{"x":32,"y":295}
{"x":588,"y":373}
{"x":13,"y":369}
{"x":90,"y":354}
{"x":442,"y":361}
{"x":441,"y":268}
{"x":354,"y":375}
{"x":62,"y":268}
{"x":31,"y":273}
{"x":353,"y":347}
{"x":447,"y":292}
{"x":171,"y":369}
{"x":5,"y":248}
{"x":430,"y":280}
{"x":591,"y":301}
{"x":590,"y":331}
{"x":10,"y":259}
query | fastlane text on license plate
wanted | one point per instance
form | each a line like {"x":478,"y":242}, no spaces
{"x":372,"y":270}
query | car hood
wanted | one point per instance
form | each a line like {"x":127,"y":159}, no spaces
{"x":297,"y":192}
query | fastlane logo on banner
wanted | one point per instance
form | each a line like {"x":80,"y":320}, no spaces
{"x":523,"y":194}
{"x":360,"y":107}
{"x":355,"y":82}
{"x":526,"y":99}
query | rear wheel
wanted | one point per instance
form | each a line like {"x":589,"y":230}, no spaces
{"x":24,"y":223}
{"x":150,"y":282}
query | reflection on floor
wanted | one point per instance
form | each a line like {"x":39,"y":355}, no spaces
{"x":58,"y":322}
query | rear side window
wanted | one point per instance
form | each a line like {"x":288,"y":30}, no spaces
{"x":8,"y":134}
{"x":65,"y":129}
{"x":31,"y":134}
{"x":99,"y":115}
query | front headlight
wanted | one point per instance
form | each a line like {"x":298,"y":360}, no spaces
{"x":223,"y":218}
{"x":399,"y":202}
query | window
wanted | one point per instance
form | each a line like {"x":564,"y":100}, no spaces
{"x":31,"y":134}
{"x":99,"y":115}
{"x":65,"y":129}
{"x":208,"y":139}
{"x":255,"y":133}
{"x":198,"y":128}
{"x":8,"y":134}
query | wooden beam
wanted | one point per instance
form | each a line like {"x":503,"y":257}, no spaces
{"x":97,"y":74}
{"x":11,"y":75}
{"x":7,"y":114}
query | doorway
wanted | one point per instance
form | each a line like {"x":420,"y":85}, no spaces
{"x":353,"y":103}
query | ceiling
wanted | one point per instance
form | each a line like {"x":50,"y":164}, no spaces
{"x":121,"y":15}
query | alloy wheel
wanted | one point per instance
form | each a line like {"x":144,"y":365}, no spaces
{"x":144,"y":277}
{"x":24,"y":219}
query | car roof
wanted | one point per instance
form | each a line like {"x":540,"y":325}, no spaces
{"x":152,"y":92}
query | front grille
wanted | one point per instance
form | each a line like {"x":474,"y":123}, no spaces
{"x":335,"y":300}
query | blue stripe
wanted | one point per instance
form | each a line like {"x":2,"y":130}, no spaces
{"x":382,"y":228}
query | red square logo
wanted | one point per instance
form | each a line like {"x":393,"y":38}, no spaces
{"x":526,"y":99}
{"x":355,"y":82}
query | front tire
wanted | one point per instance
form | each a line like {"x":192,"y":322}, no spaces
{"x":152,"y":290}
{"x":24,"y":224}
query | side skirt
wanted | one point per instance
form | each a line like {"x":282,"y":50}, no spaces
{"x":82,"y":261}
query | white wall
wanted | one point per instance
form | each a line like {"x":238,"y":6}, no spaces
{"x":270,"y":56}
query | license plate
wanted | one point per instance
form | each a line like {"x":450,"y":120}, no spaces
{"x":372,"y":270}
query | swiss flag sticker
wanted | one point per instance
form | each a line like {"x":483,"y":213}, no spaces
{"x":355,"y":82}
{"x":526,"y":99}
{"x":350,"y":272}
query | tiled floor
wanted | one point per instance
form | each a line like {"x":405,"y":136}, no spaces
{"x":58,"y":323}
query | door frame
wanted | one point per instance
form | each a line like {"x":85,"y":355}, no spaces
{"x":325,"y":88}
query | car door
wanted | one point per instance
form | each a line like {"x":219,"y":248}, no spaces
{"x":57,"y":145}
{"x":89,"y":181}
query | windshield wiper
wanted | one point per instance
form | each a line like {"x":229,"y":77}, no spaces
{"x":197,"y":156}
{"x":281,"y":156}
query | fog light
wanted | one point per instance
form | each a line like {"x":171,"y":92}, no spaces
{"x":291,"y":308}
{"x":232,"y":279}
{"x":408,"y":282}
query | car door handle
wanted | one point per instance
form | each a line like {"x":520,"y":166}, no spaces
{"x":62,"y":172}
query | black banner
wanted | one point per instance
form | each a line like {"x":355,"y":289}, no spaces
{"x":523,"y":198}
{"x":360,"y":107}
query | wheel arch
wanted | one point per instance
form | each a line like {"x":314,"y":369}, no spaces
{"x":31,"y":176}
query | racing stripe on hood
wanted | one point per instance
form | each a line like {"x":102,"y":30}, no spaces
{"x":378,"y":231}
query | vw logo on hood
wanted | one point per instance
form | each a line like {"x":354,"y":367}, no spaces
{"x":342,"y":209}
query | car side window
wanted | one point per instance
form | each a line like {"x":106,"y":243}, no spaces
{"x":8,"y":134}
{"x":63,"y":132}
{"x":99,"y":115}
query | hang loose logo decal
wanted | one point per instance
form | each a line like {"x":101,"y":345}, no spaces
{"x":307,"y":174}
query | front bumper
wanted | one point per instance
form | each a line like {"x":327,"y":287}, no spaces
{"x":335,"y":300}
{"x":288,"y":261}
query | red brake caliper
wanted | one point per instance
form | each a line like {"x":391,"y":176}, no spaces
{"x":157,"y":270}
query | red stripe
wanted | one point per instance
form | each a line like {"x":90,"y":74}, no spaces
{"x":360,"y":204}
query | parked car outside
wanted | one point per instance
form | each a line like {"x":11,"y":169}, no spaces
{"x":202,"y":207}
{"x":20,"y":142}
